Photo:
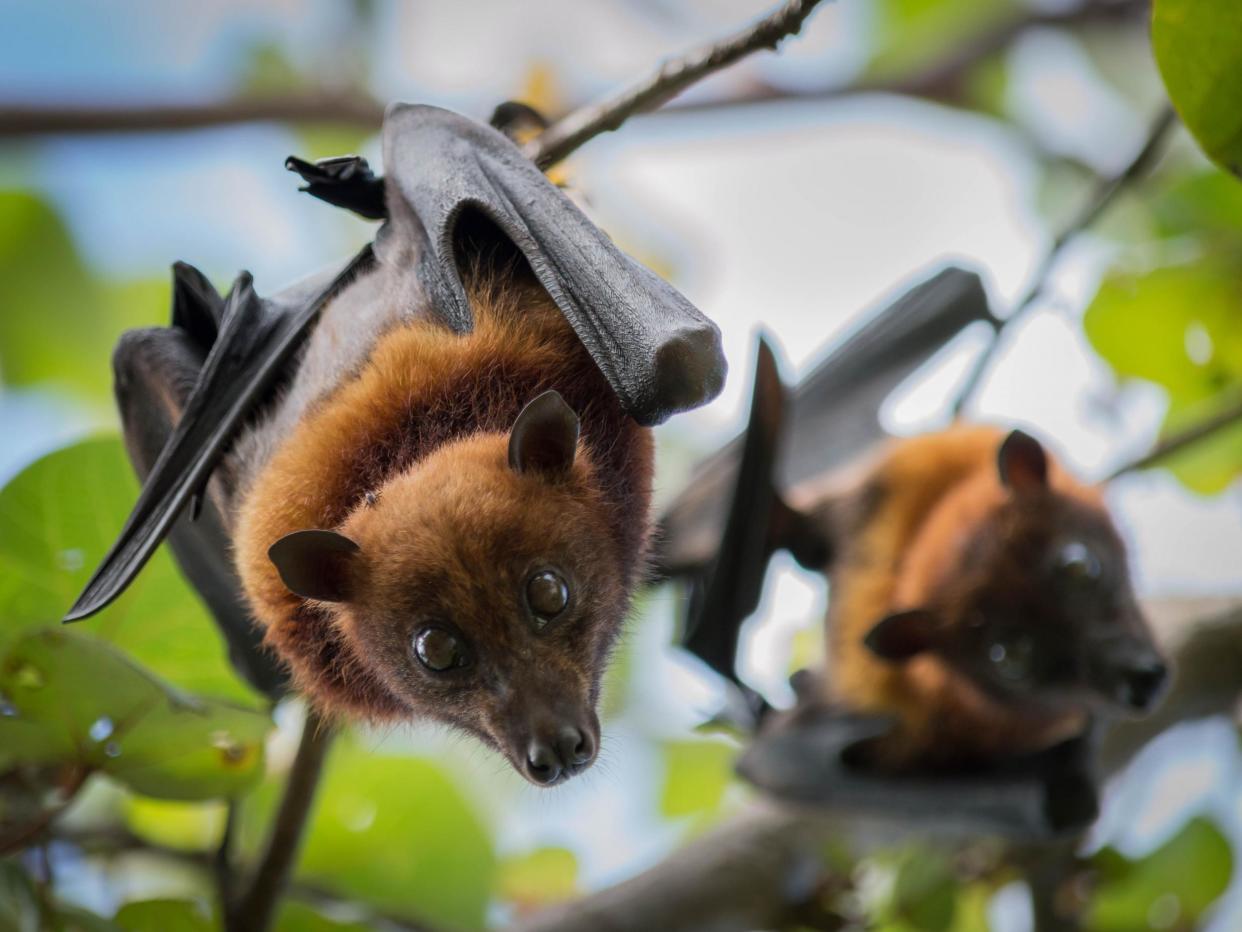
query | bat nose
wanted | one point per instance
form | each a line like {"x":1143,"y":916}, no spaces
{"x":1142,"y":682}
{"x":560,"y":754}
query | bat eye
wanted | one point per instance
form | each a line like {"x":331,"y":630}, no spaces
{"x":1078,"y":564}
{"x":547,"y":594}
{"x":1012,"y":656}
{"x":438,"y":650}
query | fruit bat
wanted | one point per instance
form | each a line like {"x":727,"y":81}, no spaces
{"x":425,"y":475}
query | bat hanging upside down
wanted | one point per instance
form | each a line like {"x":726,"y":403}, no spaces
{"x":426,"y":478}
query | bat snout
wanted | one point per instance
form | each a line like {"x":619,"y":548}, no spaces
{"x":551,"y":759}
{"x":551,"y":749}
{"x":1133,"y":676}
{"x":1143,"y":683}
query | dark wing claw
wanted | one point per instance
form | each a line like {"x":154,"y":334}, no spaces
{"x":657,"y":351}
{"x":806,"y":758}
{"x":344,"y":181}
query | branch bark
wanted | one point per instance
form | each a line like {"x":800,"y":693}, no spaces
{"x":672,"y":77}
{"x":255,"y":908}
{"x":753,"y":871}
{"x":311,"y":107}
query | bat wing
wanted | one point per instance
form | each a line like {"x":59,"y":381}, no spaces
{"x":833,"y":413}
{"x":807,"y":759}
{"x":757,"y":522}
{"x":250,"y":340}
{"x":446,"y":173}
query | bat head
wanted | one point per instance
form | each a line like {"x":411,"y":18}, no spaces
{"x":1037,"y":606}
{"x":483,"y":588}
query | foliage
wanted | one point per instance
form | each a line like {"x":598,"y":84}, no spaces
{"x":1198,"y":44}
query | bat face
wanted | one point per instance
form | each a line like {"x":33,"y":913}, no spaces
{"x":1038,"y":610}
{"x":484,"y":591}
{"x":1057,"y":621}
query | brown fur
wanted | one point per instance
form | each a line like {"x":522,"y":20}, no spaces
{"x":906,"y":540}
{"x":408,"y":458}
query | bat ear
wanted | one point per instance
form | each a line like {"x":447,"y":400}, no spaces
{"x":315,"y":564}
{"x":904,"y":635}
{"x":1022,"y":463}
{"x":544,"y":436}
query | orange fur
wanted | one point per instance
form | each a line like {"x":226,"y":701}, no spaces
{"x":425,"y":424}
{"x":918,"y":507}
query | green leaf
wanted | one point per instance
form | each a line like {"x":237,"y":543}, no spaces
{"x":911,"y":35}
{"x":697,"y":774}
{"x":297,"y":917}
{"x":74,"y":699}
{"x":925,"y":891}
{"x":19,"y":903}
{"x":59,"y":321}
{"x":1176,"y":326}
{"x":548,"y":875}
{"x":1198,"y":46}
{"x":165,"y":916}
{"x":184,"y":826}
{"x":392,"y":832}
{"x":57,"y":520}
{"x":1170,"y":888}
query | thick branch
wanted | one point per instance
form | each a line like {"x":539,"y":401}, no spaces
{"x":673,"y":77}
{"x":1101,"y":199}
{"x":943,"y":81}
{"x":752,"y":871}
{"x":349,"y":110}
{"x":254,"y":910}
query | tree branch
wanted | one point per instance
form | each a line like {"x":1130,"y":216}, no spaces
{"x":1101,"y":199}
{"x":254,"y":910}
{"x":1181,"y":440}
{"x":752,"y":871}
{"x":672,"y":77}
{"x":943,"y":81}
{"x":311,"y":107}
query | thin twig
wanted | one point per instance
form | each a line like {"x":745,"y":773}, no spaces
{"x":674,"y":76}
{"x":1176,"y":442}
{"x":1101,"y":199}
{"x":254,"y":910}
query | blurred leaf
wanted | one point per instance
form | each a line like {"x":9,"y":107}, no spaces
{"x":165,"y":916}
{"x":297,"y":917}
{"x":1170,"y":888}
{"x":268,"y":71}
{"x":1202,"y":204}
{"x":697,"y":774}
{"x":175,"y":824}
{"x":1177,"y":326}
{"x":392,"y":832}
{"x":548,"y":875}
{"x":970,"y":913}
{"x":59,"y":321}
{"x":1198,"y":46}
{"x":911,"y":35}
{"x":57,"y":520}
{"x":19,"y":903}
{"x":925,"y":891}
{"x":75,"y":699}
